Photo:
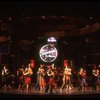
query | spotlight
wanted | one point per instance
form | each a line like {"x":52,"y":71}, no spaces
{"x":51,"y":40}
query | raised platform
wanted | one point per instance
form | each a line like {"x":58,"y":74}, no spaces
{"x":72,"y":94}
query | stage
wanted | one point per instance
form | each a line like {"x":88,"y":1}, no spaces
{"x":73,"y":94}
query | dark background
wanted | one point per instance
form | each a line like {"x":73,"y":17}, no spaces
{"x":26,"y":25}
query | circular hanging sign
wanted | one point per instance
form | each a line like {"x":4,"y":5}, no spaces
{"x":48,"y":53}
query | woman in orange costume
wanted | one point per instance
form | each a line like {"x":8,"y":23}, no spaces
{"x":41,"y":73}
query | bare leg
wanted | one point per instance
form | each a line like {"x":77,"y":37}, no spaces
{"x":27,"y":88}
{"x":62,"y":86}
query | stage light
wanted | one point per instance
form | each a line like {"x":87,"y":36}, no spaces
{"x":51,"y":40}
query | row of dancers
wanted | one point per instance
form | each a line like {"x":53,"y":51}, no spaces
{"x":49,"y":79}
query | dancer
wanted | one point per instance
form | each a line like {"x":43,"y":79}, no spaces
{"x":27,"y":75}
{"x":82,"y":80}
{"x":20,"y":78}
{"x":41,"y":74}
{"x":5,"y":78}
{"x":66,"y":79}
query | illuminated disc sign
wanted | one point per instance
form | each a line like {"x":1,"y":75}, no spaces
{"x":48,"y":53}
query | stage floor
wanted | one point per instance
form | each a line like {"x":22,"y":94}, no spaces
{"x":33,"y":91}
{"x":74,"y":93}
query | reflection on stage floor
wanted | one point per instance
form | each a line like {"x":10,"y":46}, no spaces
{"x":36,"y":93}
